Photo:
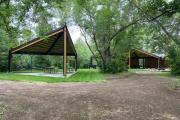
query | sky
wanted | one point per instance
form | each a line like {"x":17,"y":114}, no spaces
{"x":73,"y":29}
{"x":74,"y":32}
{"x":168,"y":0}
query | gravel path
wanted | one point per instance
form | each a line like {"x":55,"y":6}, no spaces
{"x":134,"y":97}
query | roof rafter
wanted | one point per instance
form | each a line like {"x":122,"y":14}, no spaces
{"x":150,"y":54}
{"x":51,"y":44}
{"x":33,"y":42}
{"x":55,"y":41}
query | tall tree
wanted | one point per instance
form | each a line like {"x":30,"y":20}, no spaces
{"x":101,"y":20}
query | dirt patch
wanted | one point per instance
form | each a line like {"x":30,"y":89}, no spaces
{"x":137,"y":97}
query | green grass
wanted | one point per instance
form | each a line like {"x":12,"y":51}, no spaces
{"x":166,"y":74}
{"x":87,"y":75}
{"x":82,"y":75}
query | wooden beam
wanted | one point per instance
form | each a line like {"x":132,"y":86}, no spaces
{"x":31,"y":63}
{"x":144,"y":63}
{"x":158,"y":63}
{"x":36,"y":41}
{"x":65,"y":53}
{"x":9,"y":61}
{"x":135,"y":54}
{"x":55,"y":54}
{"x":143,"y":58}
{"x":129,"y":59}
{"x":55,"y":41}
{"x":147,"y":53}
{"x":75,"y":63}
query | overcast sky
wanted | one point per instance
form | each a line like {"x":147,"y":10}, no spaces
{"x":73,"y":29}
{"x":74,"y":32}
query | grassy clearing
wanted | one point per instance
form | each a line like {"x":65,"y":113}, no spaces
{"x":81,"y":76}
{"x":86,"y":75}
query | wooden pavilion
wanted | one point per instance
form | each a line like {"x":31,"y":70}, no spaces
{"x":143,"y":59}
{"x":57,"y":42}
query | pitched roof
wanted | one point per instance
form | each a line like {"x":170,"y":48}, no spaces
{"x":51,"y":43}
{"x":142,"y":54}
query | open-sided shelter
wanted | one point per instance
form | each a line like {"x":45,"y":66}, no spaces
{"x":57,"y":42}
{"x":143,"y":59}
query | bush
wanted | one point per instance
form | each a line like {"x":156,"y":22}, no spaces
{"x":3,"y":62}
{"x":117,"y":64}
{"x":111,"y":67}
{"x":41,"y":61}
{"x":174,"y":60}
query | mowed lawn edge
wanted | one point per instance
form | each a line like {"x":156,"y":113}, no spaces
{"x":82,"y":75}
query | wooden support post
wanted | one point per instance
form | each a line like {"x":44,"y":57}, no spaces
{"x":31,"y":63}
{"x":143,"y":63}
{"x":158,"y":63}
{"x":75,"y":63}
{"x":9,"y":61}
{"x":129,"y":59}
{"x":65,"y":53}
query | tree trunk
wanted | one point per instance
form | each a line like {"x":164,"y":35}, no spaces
{"x":107,"y":59}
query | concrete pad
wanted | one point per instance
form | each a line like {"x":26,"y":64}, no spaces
{"x":60,"y":74}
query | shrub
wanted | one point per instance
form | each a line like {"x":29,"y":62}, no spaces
{"x":116,"y":64}
{"x":174,"y":60}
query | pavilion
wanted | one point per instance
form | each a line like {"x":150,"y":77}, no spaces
{"x":143,"y":59}
{"x":57,"y":42}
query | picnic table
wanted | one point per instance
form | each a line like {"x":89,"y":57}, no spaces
{"x":49,"y":70}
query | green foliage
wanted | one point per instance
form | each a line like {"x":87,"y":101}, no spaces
{"x":116,"y":65}
{"x":41,"y":61}
{"x":174,"y":60}
{"x":3,"y":50}
{"x":103,"y":19}
{"x":154,"y":6}
{"x":83,"y":52}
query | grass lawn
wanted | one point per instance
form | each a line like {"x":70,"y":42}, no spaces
{"x":83,"y":75}
{"x":166,"y":74}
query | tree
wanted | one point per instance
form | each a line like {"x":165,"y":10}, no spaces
{"x":101,"y":20}
{"x":83,"y":52}
{"x":16,"y":23}
{"x":167,"y":40}
{"x":174,"y":59}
